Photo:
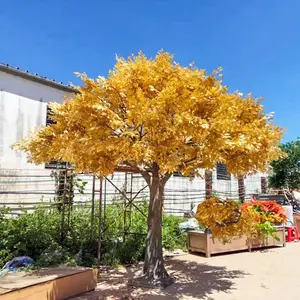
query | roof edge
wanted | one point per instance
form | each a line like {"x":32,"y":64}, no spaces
{"x":37,"y":78}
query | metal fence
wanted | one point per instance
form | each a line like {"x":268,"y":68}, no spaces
{"x":63,"y":191}
{"x":24,"y":189}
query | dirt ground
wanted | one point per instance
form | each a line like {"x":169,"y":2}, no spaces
{"x":260,"y":275}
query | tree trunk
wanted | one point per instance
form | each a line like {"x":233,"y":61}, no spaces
{"x":263,"y":182}
{"x":154,"y":272}
{"x":241,"y":188}
{"x":208,"y":184}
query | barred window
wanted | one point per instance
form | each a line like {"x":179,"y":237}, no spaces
{"x":222,"y":173}
{"x":49,"y":121}
{"x":53,"y":164}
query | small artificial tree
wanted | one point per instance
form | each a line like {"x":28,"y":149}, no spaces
{"x":156,"y":117}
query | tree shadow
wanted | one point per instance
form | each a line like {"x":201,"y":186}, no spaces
{"x":198,"y":280}
{"x":193,"y":279}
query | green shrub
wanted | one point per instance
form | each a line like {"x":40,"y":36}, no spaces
{"x":78,"y":234}
{"x":38,"y":235}
{"x":173,"y":237}
{"x":28,"y":234}
{"x":52,"y":256}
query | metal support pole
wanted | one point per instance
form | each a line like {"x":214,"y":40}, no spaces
{"x":104,"y":200}
{"x":100,"y":222}
{"x":124,"y":209}
{"x":62,"y":232}
{"x":129,"y":201}
{"x":70,"y":198}
{"x":131,"y":184}
{"x":93,"y":207}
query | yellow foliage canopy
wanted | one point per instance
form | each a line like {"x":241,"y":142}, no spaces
{"x":155,"y":111}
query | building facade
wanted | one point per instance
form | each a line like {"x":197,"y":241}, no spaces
{"x":23,"y":108}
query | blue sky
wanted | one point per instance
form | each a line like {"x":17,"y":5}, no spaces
{"x":256,"y":42}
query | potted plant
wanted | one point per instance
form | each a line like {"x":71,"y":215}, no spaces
{"x":234,"y":226}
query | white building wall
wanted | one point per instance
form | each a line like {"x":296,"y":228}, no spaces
{"x":29,"y":89}
{"x":18,"y":117}
{"x":23,"y":108}
{"x":253,"y":184}
{"x":23,"y":105}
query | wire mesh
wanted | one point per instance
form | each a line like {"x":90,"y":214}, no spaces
{"x":28,"y":188}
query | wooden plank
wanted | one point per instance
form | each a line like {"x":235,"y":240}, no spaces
{"x":54,"y":287}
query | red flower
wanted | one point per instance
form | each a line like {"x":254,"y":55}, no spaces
{"x":268,"y":210}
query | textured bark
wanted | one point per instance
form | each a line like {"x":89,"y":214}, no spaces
{"x":241,"y":189}
{"x":208,"y":184}
{"x":154,"y":272}
{"x":263,"y":181}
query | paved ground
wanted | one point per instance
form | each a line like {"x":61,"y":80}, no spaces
{"x":260,"y":275}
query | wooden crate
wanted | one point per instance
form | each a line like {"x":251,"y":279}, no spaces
{"x":48,"y":284}
{"x":198,"y":241}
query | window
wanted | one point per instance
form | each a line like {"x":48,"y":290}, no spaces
{"x":49,"y":121}
{"x":53,"y":164}
{"x":222,"y":173}
{"x":56,"y":165}
{"x":179,"y":174}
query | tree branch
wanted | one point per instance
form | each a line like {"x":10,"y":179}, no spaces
{"x":166,"y":177}
{"x":141,"y":134}
{"x":187,"y":162}
{"x":146,"y":176}
{"x":113,"y":130}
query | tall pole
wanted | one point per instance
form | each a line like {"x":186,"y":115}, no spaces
{"x":100,"y":222}
{"x":124,"y":210}
{"x":93,"y":207}
{"x":71,"y":194}
{"x":62,"y":232}
{"x":131,"y":191}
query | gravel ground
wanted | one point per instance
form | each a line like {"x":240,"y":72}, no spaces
{"x":261,"y":275}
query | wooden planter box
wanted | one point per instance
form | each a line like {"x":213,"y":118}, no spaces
{"x":199,"y":241}
{"x":48,"y":284}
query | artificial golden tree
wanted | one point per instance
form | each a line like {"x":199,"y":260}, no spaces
{"x":156,"y":117}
